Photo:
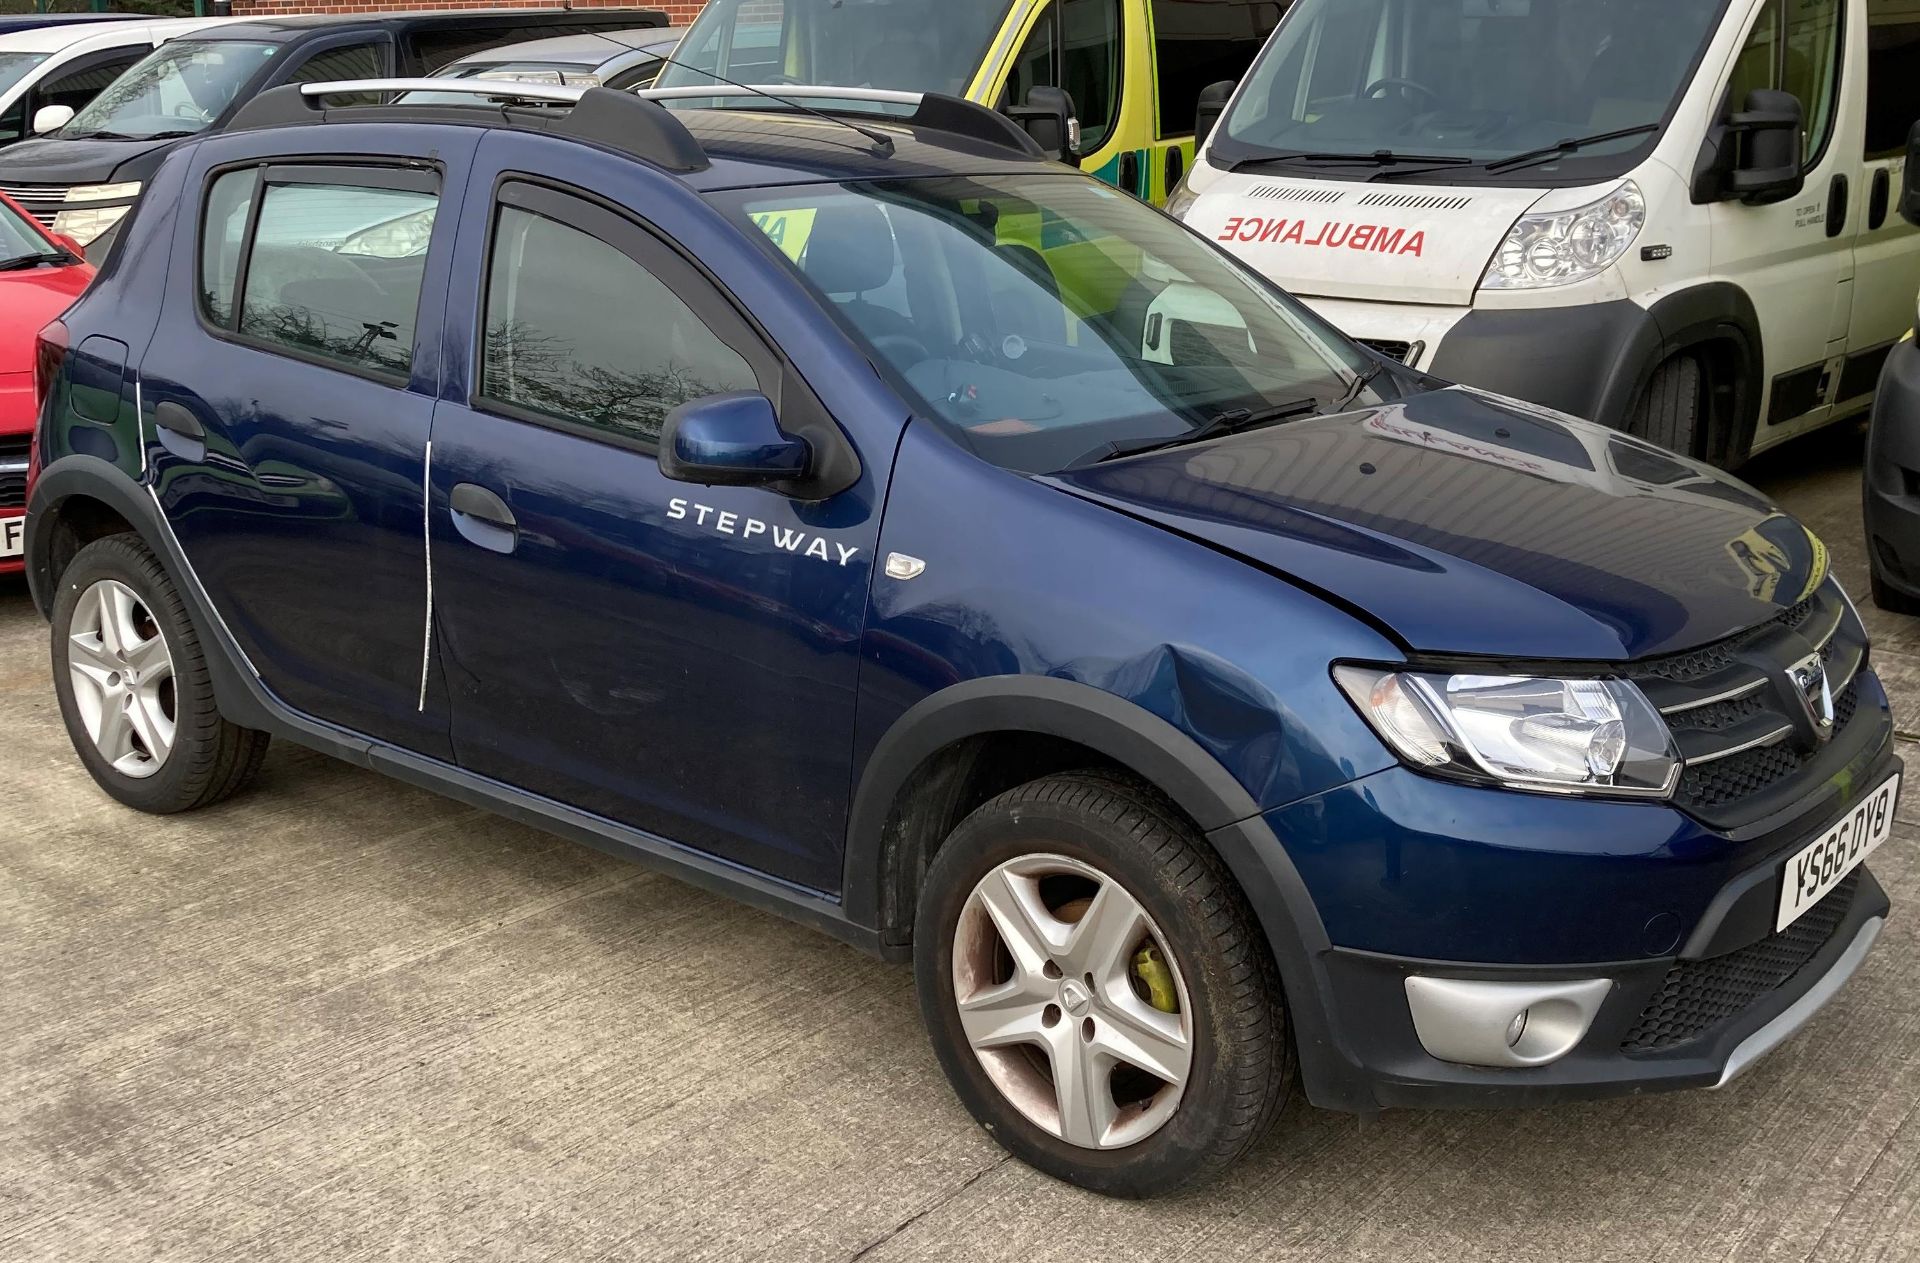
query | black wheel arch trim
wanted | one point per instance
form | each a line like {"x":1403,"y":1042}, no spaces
{"x":1162,"y":755}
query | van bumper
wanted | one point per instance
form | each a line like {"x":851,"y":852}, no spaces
{"x":1661,"y":927}
{"x":1891,"y":486}
{"x":1589,"y":361}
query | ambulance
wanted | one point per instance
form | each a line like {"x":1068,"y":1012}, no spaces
{"x":1133,"y":70}
{"x":1676,"y":217}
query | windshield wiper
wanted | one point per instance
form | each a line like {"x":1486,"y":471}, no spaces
{"x":1377,"y":158}
{"x":1232,"y":421}
{"x":1360,"y":383}
{"x":20,"y":263}
{"x":97,"y":136}
{"x":1546,"y":152}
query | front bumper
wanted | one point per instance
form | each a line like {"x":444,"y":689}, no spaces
{"x":1412,"y":876}
{"x":1891,"y":485}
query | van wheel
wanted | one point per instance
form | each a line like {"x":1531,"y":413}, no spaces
{"x":133,"y":685}
{"x":1097,"y":989}
{"x":1668,"y":411}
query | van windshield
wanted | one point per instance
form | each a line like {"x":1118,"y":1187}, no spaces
{"x":1050,"y":320}
{"x":14,"y":67}
{"x":907,"y":45}
{"x":1471,"y":80}
{"x":176,"y":90}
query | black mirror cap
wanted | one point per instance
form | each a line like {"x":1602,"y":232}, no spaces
{"x":1047,"y":115}
{"x":1910,"y":185}
{"x":731,"y":440}
{"x":1768,"y":170}
{"x":1206,"y":115}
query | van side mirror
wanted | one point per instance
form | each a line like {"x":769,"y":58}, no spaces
{"x":1213,"y":103}
{"x":730,"y":440}
{"x":1910,"y":186}
{"x":1048,"y":117}
{"x":1768,"y":167}
{"x":51,"y":118}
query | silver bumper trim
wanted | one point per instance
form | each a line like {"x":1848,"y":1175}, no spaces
{"x":1780,"y":1029}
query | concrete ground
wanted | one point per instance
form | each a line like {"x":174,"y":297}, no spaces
{"x":338,"y":1018}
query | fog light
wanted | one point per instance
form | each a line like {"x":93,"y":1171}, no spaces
{"x":1505,"y":1024}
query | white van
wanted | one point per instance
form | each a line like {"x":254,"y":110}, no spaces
{"x":49,"y":72}
{"x":1673,"y":216}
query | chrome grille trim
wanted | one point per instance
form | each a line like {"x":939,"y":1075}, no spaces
{"x":1726,"y":695}
{"x":1773,"y":738}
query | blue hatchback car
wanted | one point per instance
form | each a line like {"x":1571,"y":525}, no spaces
{"x":865,"y":516}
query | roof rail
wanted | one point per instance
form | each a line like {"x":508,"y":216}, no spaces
{"x":936,"y":111}
{"x":619,"y":120}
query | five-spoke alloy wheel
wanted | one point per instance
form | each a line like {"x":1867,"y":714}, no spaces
{"x":122,"y":677}
{"x":1097,"y":989}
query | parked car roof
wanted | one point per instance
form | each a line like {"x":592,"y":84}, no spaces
{"x":280,"y":29}
{"x":56,"y":39}
{"x":577,"y":50}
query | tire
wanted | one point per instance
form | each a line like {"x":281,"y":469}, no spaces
{"x":203,"y":759}
{"x":1668,"y":411}
{"x":1063,"y":841}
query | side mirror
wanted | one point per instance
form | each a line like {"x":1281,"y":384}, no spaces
{"x":730,"y":440}
{"x":1213,"y":103}
{"x":1910,"y":187}
{"x":51,"y":118}
{"x":69,"y":244}
{"x":1048,"y":117}
{"x":1768,"y":169}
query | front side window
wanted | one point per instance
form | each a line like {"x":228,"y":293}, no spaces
{"x":306,"y":279}
{"x":1201,"y":42}
{"x":1794,"y":46}
{"x":1075,"y":45}
{"x":14,"y":67}
{"x":1044,"y":319}
{"x":910,"y":45}
{"x":176,"y":90}
{"x":1893,"y":70}
{"x":578,"y":331}
{"x":74,"y":88}
{"x":1470,"y":80}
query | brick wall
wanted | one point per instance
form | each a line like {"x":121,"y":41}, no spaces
{"x":681,"y":11}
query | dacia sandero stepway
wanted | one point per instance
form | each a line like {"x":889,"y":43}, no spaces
{"x":1005,"y":580}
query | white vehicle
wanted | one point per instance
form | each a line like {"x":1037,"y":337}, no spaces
{"x":1673,"y":216}
{"x":49,"y":72}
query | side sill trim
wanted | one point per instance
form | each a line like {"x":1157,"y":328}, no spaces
{"x":1780,"y":1029}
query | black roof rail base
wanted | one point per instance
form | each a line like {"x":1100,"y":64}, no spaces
{"x":960,"y":117}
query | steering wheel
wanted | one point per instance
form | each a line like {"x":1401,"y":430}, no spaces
{"x":1374,"y":88}
{"x":904,"y":343}
{"x":186,"y":109}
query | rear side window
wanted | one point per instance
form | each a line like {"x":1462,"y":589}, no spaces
{"x":579,"y":331}
{"x":1198,"y":42}
{"x":325,"y":267}
{"x":1893,"y":68}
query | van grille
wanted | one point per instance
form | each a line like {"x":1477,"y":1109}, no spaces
{"x":42,"y":201}
{"x":1294,"y":193}
{"x":1417,"y":201}
{"x":1399,"y":352}
{"x":14,"y":452}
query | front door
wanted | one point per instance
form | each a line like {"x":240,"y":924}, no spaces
{"x":676,"y":658}
{"x":286,"y":415}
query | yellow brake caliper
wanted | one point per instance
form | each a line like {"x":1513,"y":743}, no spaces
{"x":1154,"y":975}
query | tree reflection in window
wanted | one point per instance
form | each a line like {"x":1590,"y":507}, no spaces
{"x":577,"y":329}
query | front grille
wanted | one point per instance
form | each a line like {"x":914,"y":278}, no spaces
{"x":1400,"y":352}
{"x":1699,"y":995}
{"x":1744,"y":733}
{"x":13,"y":472}
{"x":42,"y":201}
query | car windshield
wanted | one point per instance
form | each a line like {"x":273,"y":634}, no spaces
{"x":1474,"y":79}
{"x":1048,"y":320}
{"x":14,"y":67}
{"x":176,"y":90}
{"x":910,"y":45}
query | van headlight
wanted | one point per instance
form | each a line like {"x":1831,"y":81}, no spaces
{"x":86,"y":222}
{"x":1560,"y":248}
{"x":1525,"y":732}
{"x":1182,"y":198}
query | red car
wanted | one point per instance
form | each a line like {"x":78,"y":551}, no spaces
{"x":40,"y":276}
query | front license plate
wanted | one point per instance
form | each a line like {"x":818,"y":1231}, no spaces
{"x":12,"y":531}
{"x":1837,"y":852}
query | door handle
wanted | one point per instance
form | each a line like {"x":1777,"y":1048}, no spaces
{"x":1130,"y":172}
{"x":180,"y":432}
{"x":483,"y":518}
{"x":1879,"y":199}
{"x":1176,"y":167}
{"x":1837,"y":206}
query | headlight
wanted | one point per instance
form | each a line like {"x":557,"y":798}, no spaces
{"x":1566,"y":736}
{"x":104,"y":192}
{"x":1180,"y":199}
{"x":86,"y":225}
{"x":1560,"y":248}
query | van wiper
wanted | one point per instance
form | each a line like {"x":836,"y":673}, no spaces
{"x":1547,"y":152}
{"x":97,"y":136}
{"x":1232,"y":421}
{"x":1378,"y":158}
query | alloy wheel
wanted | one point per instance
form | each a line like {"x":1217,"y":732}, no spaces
{"x":1072,"y":1001}
{"x":123,"y":681}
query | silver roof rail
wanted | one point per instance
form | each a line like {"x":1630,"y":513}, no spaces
{"x":493,"y":88}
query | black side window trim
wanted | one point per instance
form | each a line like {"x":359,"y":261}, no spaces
{"x":405,"y":176}
{"x":618,"y":230}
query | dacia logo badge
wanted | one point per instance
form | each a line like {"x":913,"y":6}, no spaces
{"x":1810,"y":681}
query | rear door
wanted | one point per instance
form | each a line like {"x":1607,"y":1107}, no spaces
{"x":1887,"y":253}
{"x":286,"y":401}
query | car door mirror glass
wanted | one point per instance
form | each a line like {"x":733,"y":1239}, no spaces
{"x":51,"y":118}
{"x":1910,"y":183}
{"x":731,"y":440}
{"x":1769,"y":135}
